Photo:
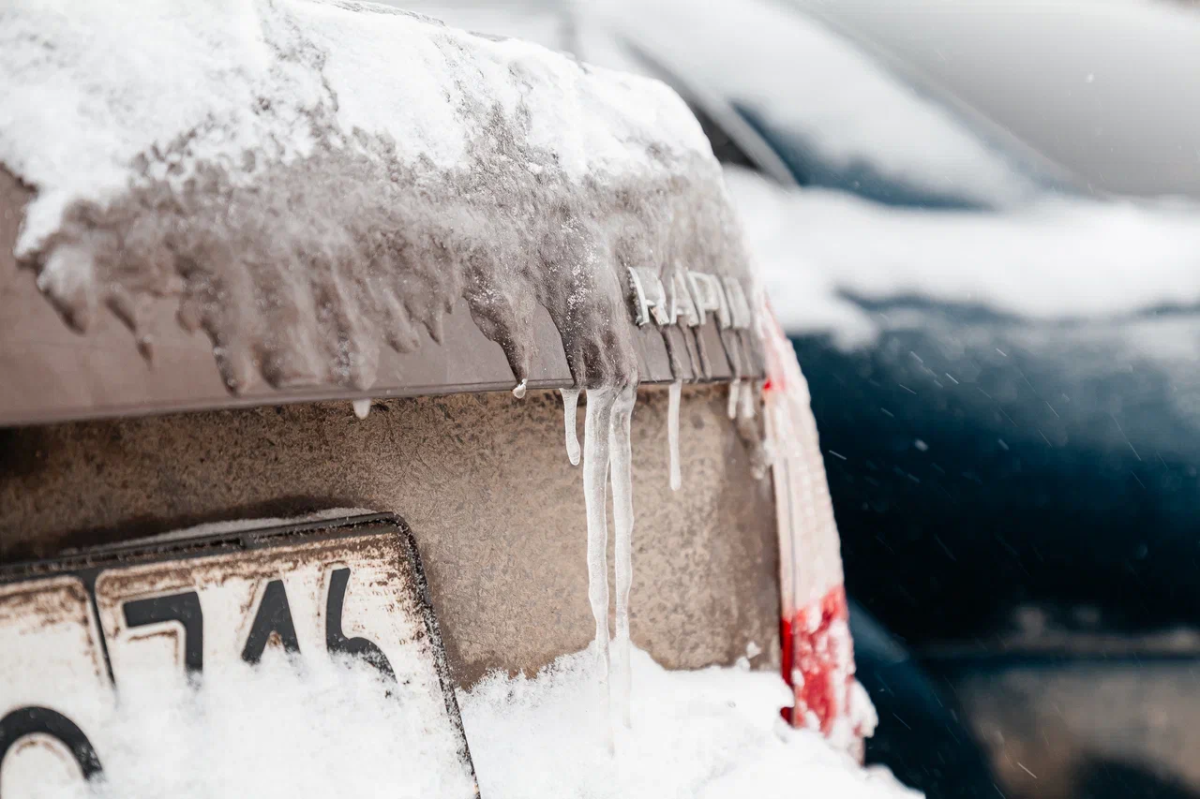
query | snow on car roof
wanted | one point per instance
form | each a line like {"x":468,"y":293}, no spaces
{"x":822,"y":253}
{"x":845,"y":113}
{"x":314,"y":182}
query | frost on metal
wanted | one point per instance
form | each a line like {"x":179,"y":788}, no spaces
{"x":314,"y":182}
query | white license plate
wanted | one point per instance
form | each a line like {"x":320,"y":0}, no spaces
{"x":79,"y":634}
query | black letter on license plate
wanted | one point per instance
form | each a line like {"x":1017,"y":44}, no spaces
{"x":274,"y":616}
{"x":336,"y":640}
{"x":183,"y":608}
{"x":44,"y":721}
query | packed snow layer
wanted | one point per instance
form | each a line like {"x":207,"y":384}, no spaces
{"x":283,"y":729}
{"x":1056,"y":259}
{"x":314,"y":181}
{"x":1089,"y":84}
{"x":819,"y":93}
{"x":816,"y":91}
{"x":710,"y":733}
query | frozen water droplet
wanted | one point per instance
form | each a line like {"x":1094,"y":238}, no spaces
{"x":622,"y":498}
{"x":746,"y":400}
{"x":673,"y":397}
{"x":732,"y":406}
{"x":519,"y":391}
{"x":595,"y":476}
{"x":606,"y":443}
{"x":570,"y":406}
{"x":362,"y":407}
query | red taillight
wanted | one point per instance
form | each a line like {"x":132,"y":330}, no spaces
{"x":822,"y":662}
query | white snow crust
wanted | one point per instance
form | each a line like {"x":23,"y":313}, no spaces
{"x":1055,"y":259}
{"x":243,"y":525}
{"x":282,"y":730}
{"x":88,"y":87}
{"x":804,"y":79}
{"x":709,"y":733}
{"x":779,"y":63}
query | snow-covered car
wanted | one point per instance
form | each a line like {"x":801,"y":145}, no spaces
{"x":978,"y":222}
{"x":295,"y":300}
{"x":1001,"y":351}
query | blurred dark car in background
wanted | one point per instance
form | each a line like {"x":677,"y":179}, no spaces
{"x":978,"y":222}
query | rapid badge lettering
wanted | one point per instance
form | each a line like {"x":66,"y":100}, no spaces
{"x":689,"y":303}
{"x":693,"y":296}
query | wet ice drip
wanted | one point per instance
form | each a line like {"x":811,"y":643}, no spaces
{"x":362,"y":408}
{"x":731,"y":407}
{"x":607,"y":449}
{"x":570,"y":398}
{"x":620,"y":450}
{"x":748,"y":401}
{"x":673,"y":397}
{"x":596,"y":424}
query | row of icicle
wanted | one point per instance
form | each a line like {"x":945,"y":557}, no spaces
{"x":607,"y":450}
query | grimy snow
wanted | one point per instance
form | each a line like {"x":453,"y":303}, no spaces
{"x":315,"y":181}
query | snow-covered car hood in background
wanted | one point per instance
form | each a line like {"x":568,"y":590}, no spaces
{"x":1100,"y":301}
{"x":819,"y":92}
{"x":1058,"y":259}
{"x":1108,"y":89}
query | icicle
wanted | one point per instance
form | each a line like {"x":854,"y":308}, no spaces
{"x":673,"y":432}
{"x":622,"y":497}
{"x":362,"y":407}
{"x":519,"y":391}
{"x":746,"y":407}
{"x":596,"y":426}
{"x":732,"y":406}
{"x":570,"y":404}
